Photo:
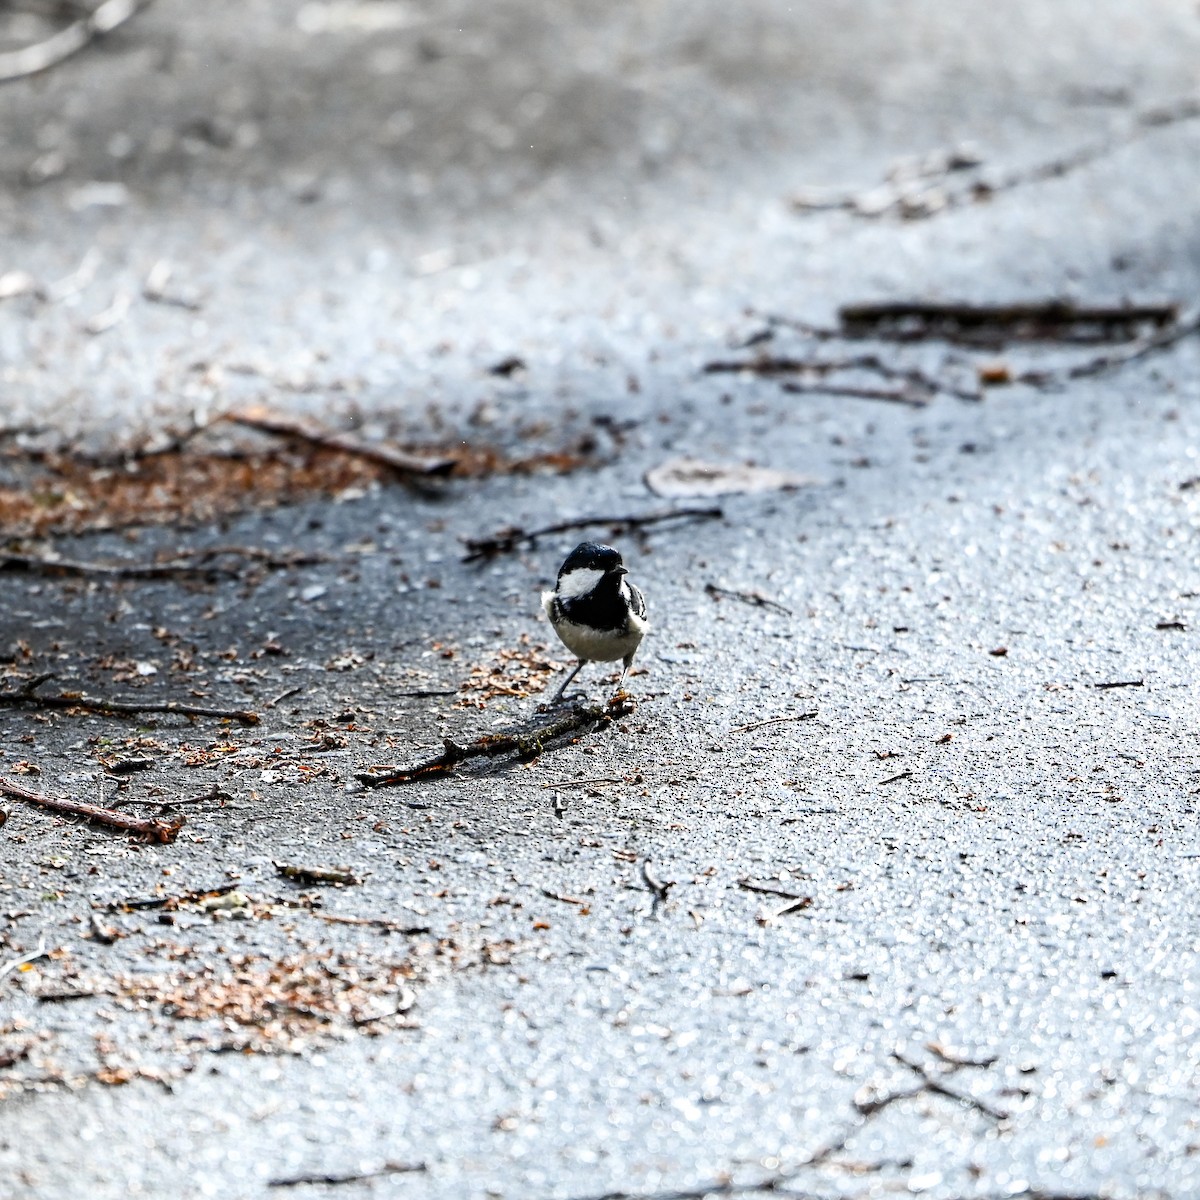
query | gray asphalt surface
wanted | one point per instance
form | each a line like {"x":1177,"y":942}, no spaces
{"x":1000,"y":855}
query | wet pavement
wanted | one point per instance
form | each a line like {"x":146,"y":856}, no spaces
{"x":938,"y":937}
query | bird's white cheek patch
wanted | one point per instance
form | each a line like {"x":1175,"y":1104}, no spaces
{"x":578,"y":582}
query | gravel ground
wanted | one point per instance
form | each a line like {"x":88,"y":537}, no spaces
{"x":985,"y":982}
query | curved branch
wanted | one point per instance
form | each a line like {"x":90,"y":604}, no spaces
{"x":67,"y":42}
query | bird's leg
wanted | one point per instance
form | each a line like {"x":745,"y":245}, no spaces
{"x":627,"y":662}
{"x":558,"y":696}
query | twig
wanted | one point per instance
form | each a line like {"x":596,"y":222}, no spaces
{"x":821,"y":367}
{"x":953,"y":1059}
{"x":576,"y":900}
{"x":1103,"y":363}
{"x":993,"y":324}
{"x":32,"y":60}
{"x":573,"y":783}
{"x":906,"y":397}
{"x":213,"y":793}
{"x":383,"y":923}
{"x":75,"y":700}
{"x":524,"y":745}
{"x":767,"y":889}
{"x":269,"y":421}
{"x":895,"y":778}
{"x":284,"y":696}
{"x":338,"y":876}
{"x":754,"y":599}
{"x":804,"y":716}
{"x":656,"y":885}
{"x":927,"y":196}
{"x":1120,"y":683}
{"x":931,"y":1083}
{"x":153,"y":828}
{"x":35,"y":564}
{"x":331,"y":1180}
{"x":15,"y":964}
{"x":139,"y":903}
{"x":505,"y":541}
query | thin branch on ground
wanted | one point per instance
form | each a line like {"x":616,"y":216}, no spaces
{"x":804,"y":716}
{"x":769,"y":889}
{"x":33,"y":60}
{"x":525,"y":745}
{"x":155,"y":829}
{"x":574,"y":783}
{"x":992,"y":324}
{"x":213,"y":793}
{"x":931,"y":1083}
{"x":907,"y":397}
{"x":920,"y":383}
{"x":384,"y":923}
{"x":35,"y":564}
{"x":192,"y":562}
{"x":755,"y":599}
{"x":1102,"y":364}
{"x":138,"y":903}
{"x":267,"y":420}
{"x":1119,"y":683}
{"x":15,"y":964}
{"x":929,"y":192}
{"x":332,"y":1180}
{"x":511,"y":538}
{"x":25,"y":697}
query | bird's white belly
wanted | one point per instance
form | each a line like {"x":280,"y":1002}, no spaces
{"x":595,"y":645}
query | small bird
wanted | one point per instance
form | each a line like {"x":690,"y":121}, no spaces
{"x":599,"y":615}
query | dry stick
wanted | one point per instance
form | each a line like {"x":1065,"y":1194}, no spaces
{"x":154,"y":828}
{"x":213,"y":793}
{"x":15,"y":964}
{"x":908,"y":398}
{"x":66,"y":566}
{"x":505,"y":541}
{"x":895,"y":778}
{"x":751,"y":598}
{"x":492,"y":745}
{"x":917,"y":204}
{"x":779,"y":365}
{"x":383,"y":923}
{"x":1120,"y":683}
{"x":930,"y":1083}
{"x":68,"y":700}
{"x":1048,"y":320}
{"x":32,"y":60}
{"x":804,"y":716}
{"x":572,"y":783}
{"x":268,"y":421}
{"x":766,"y":889}
{"x":330,"y":1180}
{"x":1101,"y":364}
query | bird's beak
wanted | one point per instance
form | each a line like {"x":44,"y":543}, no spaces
{"x":620,"y":570}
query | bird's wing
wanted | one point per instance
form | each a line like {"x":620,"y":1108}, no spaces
{"x":637,"y":602}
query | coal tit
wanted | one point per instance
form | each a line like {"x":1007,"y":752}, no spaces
{"x":599,"y":615}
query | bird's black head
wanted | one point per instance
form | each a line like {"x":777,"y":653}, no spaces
{"x":592,"y":556}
